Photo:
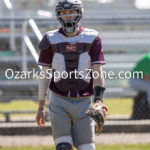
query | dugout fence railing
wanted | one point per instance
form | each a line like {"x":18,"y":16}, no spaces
{"x":27,"y":42}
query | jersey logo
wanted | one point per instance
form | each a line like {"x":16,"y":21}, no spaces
{"x":71,"y":48}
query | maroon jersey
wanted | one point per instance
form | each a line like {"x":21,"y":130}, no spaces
{"x":64,"y":53}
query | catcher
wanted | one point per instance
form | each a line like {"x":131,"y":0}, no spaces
{"x":72,"y":107}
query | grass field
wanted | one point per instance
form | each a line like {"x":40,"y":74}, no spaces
{"x":98,"y":147}
{"x":121,"y":106}
{"x":115,"y":106}
{"x":18,"y":105}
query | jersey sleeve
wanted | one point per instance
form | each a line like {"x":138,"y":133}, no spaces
{"x":46,"y":53}
{"x":97,"y":56}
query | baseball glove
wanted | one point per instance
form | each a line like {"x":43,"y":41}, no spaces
{"x":97,"y":112}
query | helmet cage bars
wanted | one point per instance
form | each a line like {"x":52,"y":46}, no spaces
{"x":71,"y":24}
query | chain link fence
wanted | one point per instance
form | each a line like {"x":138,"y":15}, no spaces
{"x":125,"y":35}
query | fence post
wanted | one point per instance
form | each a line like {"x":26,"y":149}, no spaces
{"x":24,"y":47}
{"x":12,"y":32}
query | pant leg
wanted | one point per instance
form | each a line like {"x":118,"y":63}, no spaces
{"x":83,"y":126}
{"x":60,"y":119}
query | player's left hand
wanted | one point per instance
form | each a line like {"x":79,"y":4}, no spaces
{"x":104,"y":108}
{"x":98,"y":112}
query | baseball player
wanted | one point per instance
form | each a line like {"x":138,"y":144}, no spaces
{"x":74,"y":50}
{"x":141,"y":82}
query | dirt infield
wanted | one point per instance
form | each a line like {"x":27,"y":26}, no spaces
{"x":105,"y":139}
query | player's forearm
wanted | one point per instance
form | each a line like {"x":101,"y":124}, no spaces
{"x":98,"y":81}
{"x":41,"y":105}
{"x":43,"y":89}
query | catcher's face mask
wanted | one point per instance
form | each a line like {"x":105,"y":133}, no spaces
{"x":69,"y":13}
{"x":69,"y":20}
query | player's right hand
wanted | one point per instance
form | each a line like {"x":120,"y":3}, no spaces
{"x":40,"y":117}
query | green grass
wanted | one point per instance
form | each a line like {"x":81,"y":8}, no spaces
{"x":18,"y":105}
{"x":124,"y":147}
{"x":119,"y":106}
{"x":115,"y":106}
{"x":98,"y":147}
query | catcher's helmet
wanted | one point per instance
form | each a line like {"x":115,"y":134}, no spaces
{"x":71,"y":24}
